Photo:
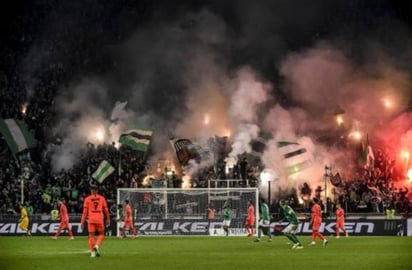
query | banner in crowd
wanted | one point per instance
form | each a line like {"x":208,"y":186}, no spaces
{"x":185,"y":150}
{"x":368,"y":158}
{"x":103,"y":171}
{"x":258,"y":146}
{"x":336,"y":180}
{"x":137,"y":139}
{"x":16,"y":134}
{"x":296,"y":157}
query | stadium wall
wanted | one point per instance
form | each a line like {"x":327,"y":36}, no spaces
{"x":364,"y":227}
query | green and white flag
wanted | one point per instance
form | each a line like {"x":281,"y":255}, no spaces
{"x":16,"y":134}
{"x":103,"y":171}
{"x":138,"y":139}
{"x":295,"y":157}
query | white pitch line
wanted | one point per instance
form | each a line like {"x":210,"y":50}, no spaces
{"x":45,"y":252}
{"x":67,"y":252}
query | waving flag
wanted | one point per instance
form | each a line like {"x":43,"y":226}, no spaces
{"x":186,"y":150}
{"x":138,"y":139}
{"x":103,"y":171}
{"x":336,"y":180}
{"x":295,"y":156}
{"x":368,"y":157}
{"x":16,"y":134}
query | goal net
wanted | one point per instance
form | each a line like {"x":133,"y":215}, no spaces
{"x":170,"y":211}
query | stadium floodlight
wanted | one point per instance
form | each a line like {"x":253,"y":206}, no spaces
{"x":267,"y":176}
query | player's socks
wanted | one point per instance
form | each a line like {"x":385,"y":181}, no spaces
{"x":317,"y":234}
{"x":294,"y":238}
{"x":96,"y":249}
{"x":313,"y":238}
{"x":91,"y":241}
{"x":290,"y":237}
{"x":99,"y":240}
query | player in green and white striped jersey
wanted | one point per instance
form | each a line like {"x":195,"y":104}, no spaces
{"x":264,"y":221}
{"x":290,"y":230}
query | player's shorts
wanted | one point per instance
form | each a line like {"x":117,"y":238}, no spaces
{"x":95,"y":227}
{"x":290,"y":229}
{"x":316,"y":225}
{"x":128,"y":223}
{"x":250,"y":221}
{"x":64,"y":224}
{"x":226,"y":223}
{"x":340,"y":224}
{"x":317,"y":221}
{"x":264,"y":223}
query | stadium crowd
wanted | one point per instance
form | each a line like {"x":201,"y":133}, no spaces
{"x":371,"y":192}
{"x":30,"y":96}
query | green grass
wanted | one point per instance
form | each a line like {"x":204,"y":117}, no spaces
{"x":209,"y":253}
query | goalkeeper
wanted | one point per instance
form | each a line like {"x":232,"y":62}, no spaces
{"x":264,"y":221}
{"x":24,"y":220}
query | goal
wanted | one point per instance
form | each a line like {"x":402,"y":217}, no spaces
{"x":172,"y":211}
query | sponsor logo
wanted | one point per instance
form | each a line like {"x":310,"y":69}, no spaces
{"x":192,"y":227}
{"x":351,"y":227}
{"x":37,"y":227}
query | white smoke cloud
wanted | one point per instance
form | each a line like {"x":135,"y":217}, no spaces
{"x":174,"y":77}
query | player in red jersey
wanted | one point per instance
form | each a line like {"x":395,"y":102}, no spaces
{"x":64,"y":220}
{"x":316,"y":221}
{"x":94,"y":207}
{"x":340,"y":221}
{"x":250,"y":220}
{"x":128,"y":221}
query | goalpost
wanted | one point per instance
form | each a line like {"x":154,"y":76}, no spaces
{"x":175,"y":211}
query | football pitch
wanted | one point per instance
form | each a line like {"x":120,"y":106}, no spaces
{"x":215,"y":252}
